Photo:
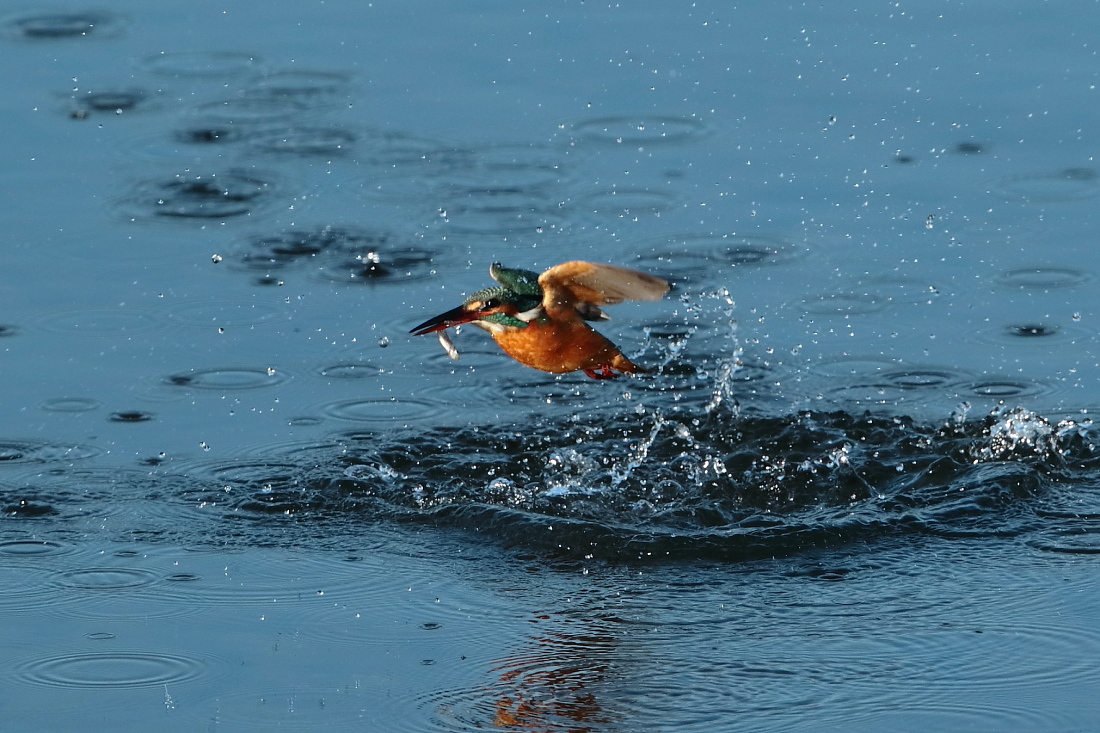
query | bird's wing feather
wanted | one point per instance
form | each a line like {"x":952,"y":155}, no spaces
{"x":570,"y":283}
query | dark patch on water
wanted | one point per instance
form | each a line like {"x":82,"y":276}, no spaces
{"x":405,"y":263}
{"x":209,"y":134}
{"x":1007,"y":388}
{"x":110,"y":102}
{"x":201,"y":197}
{"x":970,"y":147}
{"x":336,"y":254}
{"x":28,"y":508}
{"x":56,"y":26}
{"x":1031,"y":330}
{"x":130,"y":416}
{"x":282,"y":249}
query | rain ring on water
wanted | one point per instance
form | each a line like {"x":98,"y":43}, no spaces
{"x":201,"y":64}
{"x":111,"y":669}
{"x":58,"y":26}
{"x":227,"y":378}
{"x":640,"y":130}
{"x":201,"y":197}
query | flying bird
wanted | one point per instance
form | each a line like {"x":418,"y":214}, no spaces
{"x":540,"y":320}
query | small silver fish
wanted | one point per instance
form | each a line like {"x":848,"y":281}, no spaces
{"x":447,"y":344}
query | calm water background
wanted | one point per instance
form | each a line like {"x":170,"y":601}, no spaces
{"x":859,"y":491}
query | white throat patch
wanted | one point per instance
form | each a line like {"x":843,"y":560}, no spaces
{"x":528,"y":316}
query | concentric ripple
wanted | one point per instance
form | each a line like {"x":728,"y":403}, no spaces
{"x":71,"y":404}
{"x":1042,"y":278}
{"x":301,"y":84}
{"x":225,"y":313}
{"x":1039,"y":333}
{"x":841,"y":304}
{"x":696,"y":258}
{"x":341,"y":254}
{"x":131,"y":416}
{"x":664,"y":487}
{"x":29,"y":548}
{"x":282,"y":249}
{"x":918,"y":378}
{"x":883,"y":385}
{"x":306,"y":141}
{"x":251,"y":111}
{"x":111,"y":102}
{"x":185,"y":196}
{"x":494,"y":208}
{"x":627,"y":202}
{"x":33,"y":451}
{"x":227,"y":378}
{"x":55,"y":26}
{"x":394,"y":265}
{"x":1066,"y":185}
{"x":1002,"y":388}
{"x":105,"y":579}
{"x":111,"y":670}
{"x":380,"y":410}
{"x":201,"y":64}
{"x":641,"y":130}
{"x":349,"y":370}
{"x":110,"y":322}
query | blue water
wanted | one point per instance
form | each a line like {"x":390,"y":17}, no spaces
{"x":857,"y":490}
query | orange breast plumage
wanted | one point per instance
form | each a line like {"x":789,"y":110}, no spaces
{"x":560,"y":347}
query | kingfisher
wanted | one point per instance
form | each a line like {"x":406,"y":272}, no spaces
{"x":540,"y":320}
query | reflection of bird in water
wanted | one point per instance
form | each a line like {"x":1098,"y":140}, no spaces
{"x":539,"y":320}
{"x":555,"y":685}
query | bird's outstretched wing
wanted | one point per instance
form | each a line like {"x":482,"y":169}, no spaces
{"x":584,"y":286}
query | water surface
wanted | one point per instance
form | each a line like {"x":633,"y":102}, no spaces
{"x":857,"y":491}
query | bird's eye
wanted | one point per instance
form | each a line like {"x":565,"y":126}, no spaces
{"x":490,"y":303}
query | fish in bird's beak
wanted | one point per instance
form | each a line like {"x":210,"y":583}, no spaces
{"x":454,"y":317}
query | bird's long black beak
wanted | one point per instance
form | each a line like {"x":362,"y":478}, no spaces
{"x":453,"y":317}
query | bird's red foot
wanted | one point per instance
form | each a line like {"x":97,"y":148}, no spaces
{"x":603,"y":372}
